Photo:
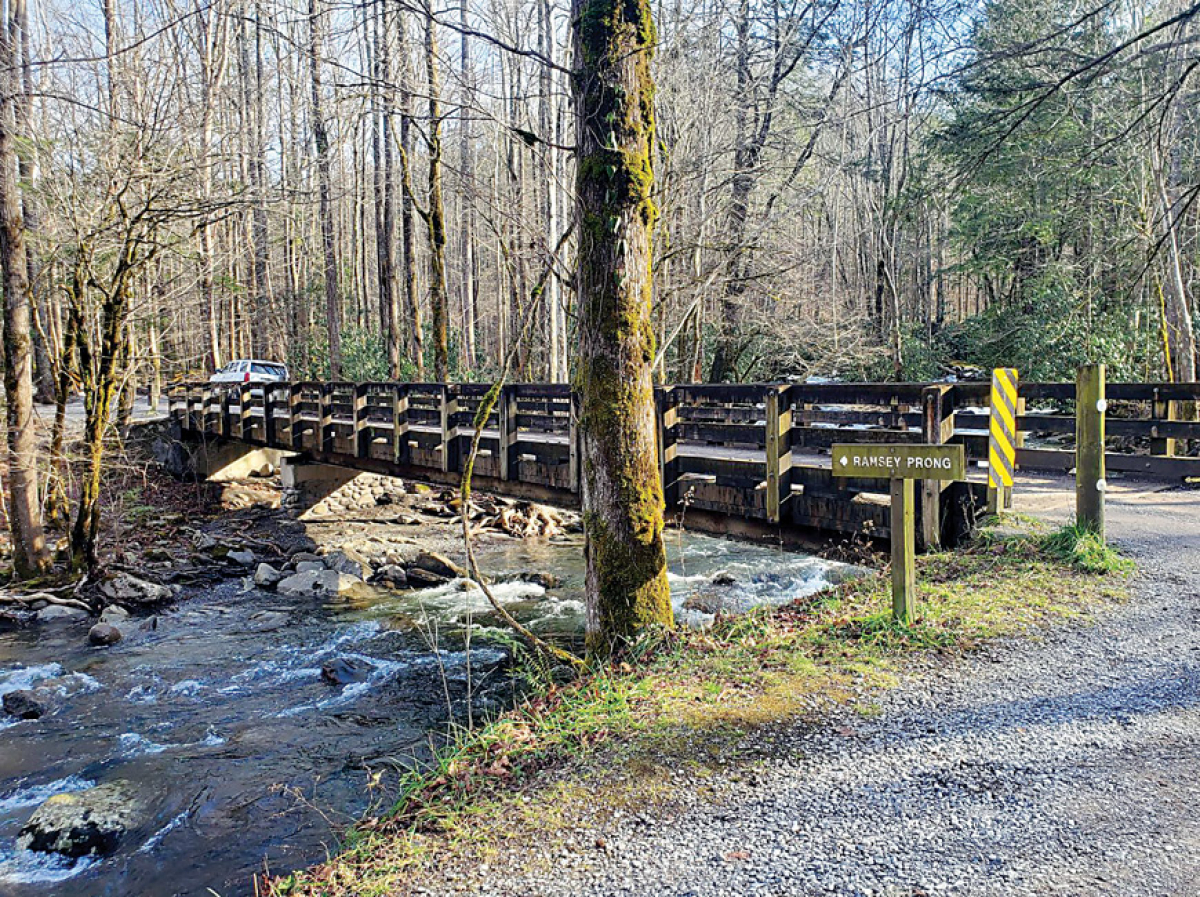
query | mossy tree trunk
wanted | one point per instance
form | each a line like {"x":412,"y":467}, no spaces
{"x":622,"y":496}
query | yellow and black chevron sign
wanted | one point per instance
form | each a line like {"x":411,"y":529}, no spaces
{"x":1002,"y":442}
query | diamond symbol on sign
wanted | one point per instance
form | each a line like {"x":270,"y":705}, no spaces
{"x":845,"y":460}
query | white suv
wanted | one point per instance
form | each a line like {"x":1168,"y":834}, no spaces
{"x":251,"y":371}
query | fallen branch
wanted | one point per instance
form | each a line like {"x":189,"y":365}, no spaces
{"x":481,"y":415}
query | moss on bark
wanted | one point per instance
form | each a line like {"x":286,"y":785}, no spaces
{"x":622,"y":494}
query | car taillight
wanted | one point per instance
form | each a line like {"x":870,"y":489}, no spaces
{"x":246,"y":379}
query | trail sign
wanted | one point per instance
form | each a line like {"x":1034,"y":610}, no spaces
{"x":901,"y":464}
{"x":900,"y":461}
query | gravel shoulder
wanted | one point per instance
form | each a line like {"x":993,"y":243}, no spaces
{"x":1068,"y":764}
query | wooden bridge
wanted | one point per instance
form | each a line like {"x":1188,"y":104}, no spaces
{"x":745,"y":459}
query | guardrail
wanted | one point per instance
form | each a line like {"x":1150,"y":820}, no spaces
{"x":748,"y":452}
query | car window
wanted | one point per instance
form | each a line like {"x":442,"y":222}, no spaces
{"x":271,"y":370}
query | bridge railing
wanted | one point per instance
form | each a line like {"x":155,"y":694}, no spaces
{"x":757,"y":452}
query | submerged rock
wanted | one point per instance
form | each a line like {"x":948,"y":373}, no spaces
{"x":58,"y":613}
{"x":128,"y":589}
{"x":84,"y":823}
{"x":27,"y":703}
{"x":104,"y":634}
{"x":344,"y":670}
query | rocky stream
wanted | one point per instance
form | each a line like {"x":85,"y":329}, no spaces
{"x":235,"y":707}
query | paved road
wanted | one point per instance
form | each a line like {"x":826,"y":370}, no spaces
{"x":1069,"y":766}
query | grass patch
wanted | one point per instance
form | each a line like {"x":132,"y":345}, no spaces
{"x":1082,"y":548}
{"x":686,"y":703}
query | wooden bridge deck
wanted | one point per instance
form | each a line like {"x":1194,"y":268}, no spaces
{"x":746,"y":458}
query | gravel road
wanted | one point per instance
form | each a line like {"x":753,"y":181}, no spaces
{"x":1068,"y":765}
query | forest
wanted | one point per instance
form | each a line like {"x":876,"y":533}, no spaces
{"x":375,"y":189}
{"x":853,"y":189}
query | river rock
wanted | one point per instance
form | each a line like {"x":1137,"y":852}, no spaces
{"x":391,"y":575}
{"x":424,"y":579}
{"x":319,"y":582}
{"x":545,"y":580}
{"x":241,"y":556}
{"x":705,"y":603}
{"x":57,"y":613}
{"x":84,"y":823}
{"x":348,"y":561}
{"x":344,"y":670}
{"x":267,"y":577}
{"x":127,"y":589}
{"x":104,"y":634}
{"x":27,"y":703}
{"x":302,"y":556}
{"x":433,"y":562}
{"x":310,"y":566}
{"x":203,"y":542}
{"x":114,"y":614}
{"x":723,"y":579}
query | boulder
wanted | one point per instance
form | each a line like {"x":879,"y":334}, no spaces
{"x":104,"y":634}
{"x":27,"y":703}
{"x":58,"y":613}
{"x":84,"y":823}
{"x":310,"y":566}
{"x":344,"y":670}
{"x":301,"y":556}
{"x":432,"y":562}
{"x":424,"y":579}
{"x":391,"y":575}
{"x":545,"y":580}
{"x":267,"y":577}
{"x":241,"y":556}
{"x":723,"y":579}
{"x":348,"y":561}
{"x":126,"y":589}
{"x":114,"y":614}
{"x":319,"y":582}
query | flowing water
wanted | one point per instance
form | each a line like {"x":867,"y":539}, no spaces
{"x":240,"y":753}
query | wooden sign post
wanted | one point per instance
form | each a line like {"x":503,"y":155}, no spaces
{"x":901,"y":464}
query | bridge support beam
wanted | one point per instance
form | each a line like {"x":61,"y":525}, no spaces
{"x":309,"y":487}
{"x":214,"y":459}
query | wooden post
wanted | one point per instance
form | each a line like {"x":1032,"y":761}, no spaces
{"x":779,"y":452}
{"x":1090,"y":408}
{"x":575,"y":470}
{"x":400,"y":448}
{"x":245,"y":421}
{"x":1164,"y":411}
{"x":295,"y":437}
{"x":362,"y":426}
{"x":325,"y":427}
{"x":933,"y":432}
{"x":507,"y":455}
{"x":205,"y":402}
{"x":226,"y":414}
{"x":904,"y":584}
{"x":668,"y":417}
{"x":449,"y":430}
{"x":269,"y":415}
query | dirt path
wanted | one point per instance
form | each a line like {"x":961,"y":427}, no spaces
{"x":1066,"y":766}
